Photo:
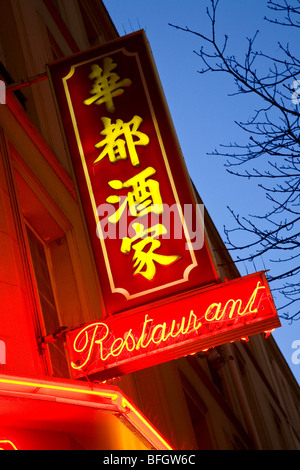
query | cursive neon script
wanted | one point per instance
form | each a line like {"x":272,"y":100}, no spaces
{"x":98,"y":340}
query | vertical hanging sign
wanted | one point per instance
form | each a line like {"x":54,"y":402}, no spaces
{"x":144,"y":222}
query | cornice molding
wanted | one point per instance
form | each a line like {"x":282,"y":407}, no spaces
{"x":40,"y":143}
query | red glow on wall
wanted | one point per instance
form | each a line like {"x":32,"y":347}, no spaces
{"x":169,"y":330}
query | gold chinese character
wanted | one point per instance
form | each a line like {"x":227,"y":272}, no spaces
{"x":107,"y":85}
{"x":144,"y":198}
{"x":144,"y":260}
{"x":117,"y":148}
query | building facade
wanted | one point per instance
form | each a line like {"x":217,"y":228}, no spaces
{"x":240,"y":395}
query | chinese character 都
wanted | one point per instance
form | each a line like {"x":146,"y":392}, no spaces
{"x":121,"y":140}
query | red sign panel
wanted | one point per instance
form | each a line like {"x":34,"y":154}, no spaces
{"x":167,"y":331}
{"x":145,"y":225}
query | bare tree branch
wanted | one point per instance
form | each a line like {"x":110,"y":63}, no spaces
{"x":273,"y":146}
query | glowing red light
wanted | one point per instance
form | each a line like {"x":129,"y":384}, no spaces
{"x":232,"y":311}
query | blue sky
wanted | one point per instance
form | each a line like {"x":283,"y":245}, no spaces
{"x":203,"y":113}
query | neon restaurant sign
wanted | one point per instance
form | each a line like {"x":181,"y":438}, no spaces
{"x":161,"y":295}
{"x":206,"y":318}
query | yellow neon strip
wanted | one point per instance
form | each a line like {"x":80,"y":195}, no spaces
{"x":8,"y":442}
{"x":112,"y":396}
{"x":126,"y":403}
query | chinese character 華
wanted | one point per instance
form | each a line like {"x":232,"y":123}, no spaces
{"x":107,"y":85}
